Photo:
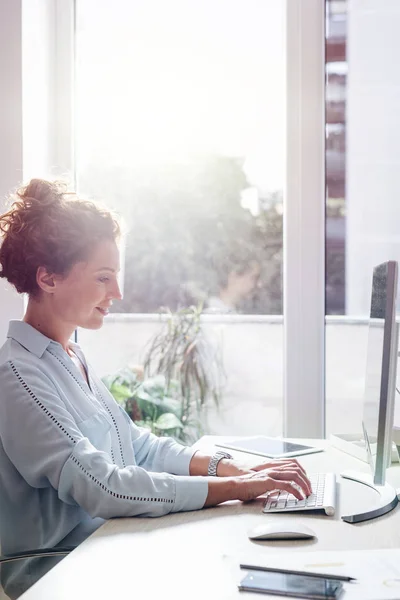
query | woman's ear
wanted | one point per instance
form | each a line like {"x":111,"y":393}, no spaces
{"x":45,"y":280}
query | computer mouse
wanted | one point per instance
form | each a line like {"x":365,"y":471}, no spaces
{"x":288,"y":530}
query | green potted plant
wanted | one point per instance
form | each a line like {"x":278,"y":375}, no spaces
{"x":182,"y":373}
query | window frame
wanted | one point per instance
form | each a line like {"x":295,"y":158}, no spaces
{"x":304,"y":222}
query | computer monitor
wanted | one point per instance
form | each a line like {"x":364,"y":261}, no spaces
{"x":380,"y":388}
{"x":380,"y":381}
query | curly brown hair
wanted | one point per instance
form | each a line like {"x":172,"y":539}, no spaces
{"x":48,"y":226}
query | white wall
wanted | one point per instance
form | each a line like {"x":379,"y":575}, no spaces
{"x":28,"y":111}
{"x":373,"y":144}
{"x":11,"y":159}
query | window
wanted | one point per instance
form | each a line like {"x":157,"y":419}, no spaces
{"x":180,"y":126}
{"x":362,"y":186}
{"x":79,"y":98}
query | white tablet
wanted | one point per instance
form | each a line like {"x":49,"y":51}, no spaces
{"x":269,"y":447}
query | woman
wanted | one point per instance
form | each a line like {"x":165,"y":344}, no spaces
{"x":69,"y":455}
{"x":238,"y":272}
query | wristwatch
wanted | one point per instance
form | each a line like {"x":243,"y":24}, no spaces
{"x":212,"y":467}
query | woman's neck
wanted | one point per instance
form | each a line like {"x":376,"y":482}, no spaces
{"x":228,"y":297}
{"x":41,"y":317}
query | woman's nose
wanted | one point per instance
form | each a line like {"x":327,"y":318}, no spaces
{"x":115,"y":292}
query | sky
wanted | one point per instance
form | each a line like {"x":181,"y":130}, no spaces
{"x":159,"y":80}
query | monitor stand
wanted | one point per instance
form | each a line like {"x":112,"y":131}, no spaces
{"x":387,"y":494}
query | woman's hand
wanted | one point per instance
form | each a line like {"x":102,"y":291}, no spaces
{"x":229,"y":467}
{"x":281,"y":470}
{"x":288,"y":477}
{"x":239,"y":481}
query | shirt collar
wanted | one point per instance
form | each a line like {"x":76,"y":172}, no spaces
{"x":29,"y":337}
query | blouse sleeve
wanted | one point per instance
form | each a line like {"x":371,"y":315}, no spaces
{"x":44,"y":443}
{"x":159,"y":454}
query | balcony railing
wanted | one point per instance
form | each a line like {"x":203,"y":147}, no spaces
{"x":252,"y":349}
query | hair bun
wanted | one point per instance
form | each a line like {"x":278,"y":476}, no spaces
{"x":45,"y":192}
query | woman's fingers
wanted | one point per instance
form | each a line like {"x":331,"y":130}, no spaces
{"x":286,"y":474}
{"x":290,"y":471}
{"x":296,"y":470}
{"x":294,"y":476}
{"x":281,"y":462}
{"x":252,"y":486}
{"x":290,"y":462}
{"x":283,"y":475}
{"x":288,"y":486}
{"x":301,"y":474}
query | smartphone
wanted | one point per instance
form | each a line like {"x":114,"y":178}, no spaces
{"x":269,"y":447}
{"x":287,"y":584}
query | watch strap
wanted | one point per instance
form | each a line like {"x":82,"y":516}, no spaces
{"x":213,"y":464}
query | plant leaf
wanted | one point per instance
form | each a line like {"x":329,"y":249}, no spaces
{"x":141,"y":394}
{"x":168,"y":421}
{"x":120,"y":392}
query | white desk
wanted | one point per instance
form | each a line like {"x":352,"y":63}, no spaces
{"x":196,"y":555}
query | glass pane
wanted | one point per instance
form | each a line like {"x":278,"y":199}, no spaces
{"x":362,"y":128}
{"x":180,"y":120}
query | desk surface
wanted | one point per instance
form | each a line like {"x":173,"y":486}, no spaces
{"x":197,"y":554}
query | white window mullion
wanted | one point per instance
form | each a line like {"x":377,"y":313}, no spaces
{"x":304,"y":222}
{"x":64,"y":89}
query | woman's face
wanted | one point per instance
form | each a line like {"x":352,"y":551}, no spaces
{"x":245,"y":283}
{"x":84,"y":296}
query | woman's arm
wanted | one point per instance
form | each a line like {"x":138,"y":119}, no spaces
{"x":230,"y":467}
{"x":46,"y":447}
{"x":235,"y":481}
{"x":250,"y":486}
{"x":159,"y":454}
{"x":225,"y":468}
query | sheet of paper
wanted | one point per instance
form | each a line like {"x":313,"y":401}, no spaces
{"x":377,"y":571}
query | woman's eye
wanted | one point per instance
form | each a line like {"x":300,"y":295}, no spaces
{"x":103,"y":279}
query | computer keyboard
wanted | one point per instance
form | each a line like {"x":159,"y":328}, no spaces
{"x":323,"y":497}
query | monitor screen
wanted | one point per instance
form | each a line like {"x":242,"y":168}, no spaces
{"x":380,"y":381}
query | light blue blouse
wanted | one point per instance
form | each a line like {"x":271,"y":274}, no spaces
{"x":70,"y":455}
